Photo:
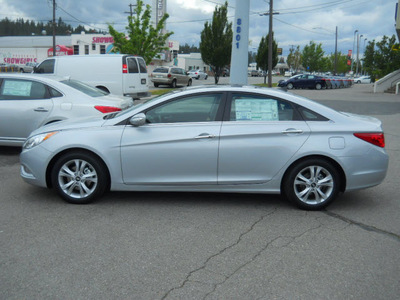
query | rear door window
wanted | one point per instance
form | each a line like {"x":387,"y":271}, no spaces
{"x":132,"y":65}
{"x":142,"y":65}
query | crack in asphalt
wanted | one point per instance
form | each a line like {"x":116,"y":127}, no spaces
{"x":363,"y":226}
{"x":215,"y":255}
{"x":293,"y":238}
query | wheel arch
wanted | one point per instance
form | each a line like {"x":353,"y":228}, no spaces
{"x":103,"y":88}
{"x":338,"y":167}
{"x":81,"y":150}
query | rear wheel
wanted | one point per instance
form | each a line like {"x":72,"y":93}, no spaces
{"x":311,"y":184}
{"x":173,"y":84}
{"x":189,"y":82}
{"x":318,"y":86}
{"x":79,"y":177}
{"x":155,"y":84}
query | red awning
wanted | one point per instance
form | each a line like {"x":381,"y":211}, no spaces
{"x":60,"y":50}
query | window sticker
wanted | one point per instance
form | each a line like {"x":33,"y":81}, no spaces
{"x":17,"y":88}
{"x":256,"y":110}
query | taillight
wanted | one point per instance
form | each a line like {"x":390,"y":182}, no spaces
{"x":169,"y":75}
{"x":107,"y":109}
{"x":124,"y":68}
{"x":377,"y":139}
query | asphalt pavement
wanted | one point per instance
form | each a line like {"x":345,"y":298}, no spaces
{"x":134,"y":245}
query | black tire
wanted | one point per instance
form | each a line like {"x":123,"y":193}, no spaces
{"x":189,"y":82}
{"x":173,"y":84}
{"x":289,"y":86}
{"x":311,"y":184}
{"x":155,"y":84}
{"x":79,"y":177}
{"x":207,"y":77}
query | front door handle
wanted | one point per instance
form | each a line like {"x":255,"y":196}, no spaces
{"x":204,"y":136}
{"x":292,"y":130}
{"x":41,"y":109}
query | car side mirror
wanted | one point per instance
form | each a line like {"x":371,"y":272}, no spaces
{"x":138,"y":120}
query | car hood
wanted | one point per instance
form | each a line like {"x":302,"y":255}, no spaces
{"x":76,"y":123}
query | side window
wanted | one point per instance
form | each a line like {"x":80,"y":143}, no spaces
{"x":142,"y":65}
{"x":54,"y":93}
{"x":46,"y":67}
{"x":132,"y":65}
{"x":14,"y":89}
{"x":258,"y":108}
{"x":309,"y":115}
{"x":199,"y":108}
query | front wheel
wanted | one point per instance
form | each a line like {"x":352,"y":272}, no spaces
{"x":290,"y":86}
{"x":189,"y":82}
{"x":311,"y":184}
{"x":173,"y":84}
{"x":79,"y":177}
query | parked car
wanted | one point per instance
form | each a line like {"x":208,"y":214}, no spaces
{"x":198,"y":74}
{"x":225,"y":72}
{"x":363,"y":79}
{"x":211,"y":139}
{"x":288,"y":74}
{"x":118,"y":74}
{"x":254,"y":73}
{"x":28,"y":67}
{"x":172,"y":76}
{"x":30,"y":101}
{"x":304,"y":81}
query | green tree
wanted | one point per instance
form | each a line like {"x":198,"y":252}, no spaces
{"x":294,"y":59}
{"x":262,"y":54}
{"x":312,"y":56}
{"x":143,"y":39}
{"x":382,"y":58}
{"x":216,"y":41}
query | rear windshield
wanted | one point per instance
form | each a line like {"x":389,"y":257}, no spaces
{"x":160,"y":70}
{"x":84,"y":88}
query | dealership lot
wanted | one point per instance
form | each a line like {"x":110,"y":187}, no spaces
{"x":208,"y":246}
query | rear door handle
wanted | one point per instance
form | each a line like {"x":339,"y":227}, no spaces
{"x":41,"y":109}
{"x":204,"y":136}
{"x":292,"y":130}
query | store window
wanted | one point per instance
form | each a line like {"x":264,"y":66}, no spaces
{"x":86,"y":49}
{"x":102,"y":49}
{"x":76,"y":49}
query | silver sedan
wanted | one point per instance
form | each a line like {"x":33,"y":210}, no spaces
{"x":211,"y":139}
{"x":30,"y":101}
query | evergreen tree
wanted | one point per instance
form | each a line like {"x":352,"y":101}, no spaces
{"x":262,"y":54}
{"x":216,"y":41}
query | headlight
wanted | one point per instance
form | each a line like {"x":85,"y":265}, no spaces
{"x":37,"y":139}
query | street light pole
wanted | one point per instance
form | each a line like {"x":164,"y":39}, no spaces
{"x":358,"y":50}
{"x":352,"y":53}
{"x":54,"y":28}
{"x":336,"y":52}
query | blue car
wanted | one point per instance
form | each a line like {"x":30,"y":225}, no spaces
{"x":304,"y":81}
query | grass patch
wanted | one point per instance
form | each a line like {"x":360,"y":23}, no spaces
{"x":265,"y":84}
{"x":161,"y":91}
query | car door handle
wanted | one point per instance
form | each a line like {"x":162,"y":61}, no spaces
{"x":292,"y":130}
{"x":204,"y":136}
{"x":41,"y":109}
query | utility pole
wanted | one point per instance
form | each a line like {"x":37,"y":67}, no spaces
{"x":54,"y":27}
{"x":270,"y":44}
{"x":131,"y":9}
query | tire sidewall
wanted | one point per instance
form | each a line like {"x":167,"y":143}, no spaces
{"x":98,"y":165}
{"x":288,"y":183}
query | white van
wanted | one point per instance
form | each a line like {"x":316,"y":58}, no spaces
{"x":119,"y":74}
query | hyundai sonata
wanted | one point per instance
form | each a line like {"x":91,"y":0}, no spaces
{"x":211,"y":139}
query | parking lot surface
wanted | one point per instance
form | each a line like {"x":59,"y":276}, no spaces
{"x":206,"y":245}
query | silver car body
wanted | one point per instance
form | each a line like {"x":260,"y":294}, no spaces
{"x":172,"y":76}
{"x":222,"y":155}
{"x":197,"y":74}
{"x":26,"y":103}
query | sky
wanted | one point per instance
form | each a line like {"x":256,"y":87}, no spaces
{"x":296,"y":22}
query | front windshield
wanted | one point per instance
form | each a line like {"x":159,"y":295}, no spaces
{"x":84,"y":88}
